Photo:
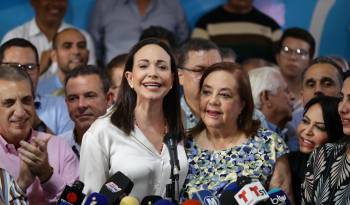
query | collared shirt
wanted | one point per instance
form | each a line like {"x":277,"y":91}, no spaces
{"x":71,"y":140}
{"x":62,"y":159}
{"x":287,"y":133}
{"x":31,"y":32}
{"x":190,"y":119}
{"x":10,"y":192}
{"x":53,"y":112}
{"x":107,"y":149}
{"x":49,"y":85}
{"x":116,"y":25}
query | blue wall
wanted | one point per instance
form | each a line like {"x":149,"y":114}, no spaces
{"x":334,"y":37}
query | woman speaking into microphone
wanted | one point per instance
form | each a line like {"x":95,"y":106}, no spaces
{"x":130,"y":138}
{"x":228,"y":144}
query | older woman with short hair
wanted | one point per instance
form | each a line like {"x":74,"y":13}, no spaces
{"x":227,"y":143}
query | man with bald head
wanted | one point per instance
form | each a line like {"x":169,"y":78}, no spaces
{"x":42,"y":28}
{"x":69,"y":51}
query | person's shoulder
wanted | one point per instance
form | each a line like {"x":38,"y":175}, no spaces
{"x":265,"y":19}
{"x":20,"y":31}
{"x":210,"y":17}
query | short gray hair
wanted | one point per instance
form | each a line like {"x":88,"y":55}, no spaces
{"x":264,"y":79}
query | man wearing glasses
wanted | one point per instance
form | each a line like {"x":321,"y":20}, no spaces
{"x":295,"y":51}
{"x":193,"y":58}
{"x":51,"y":112}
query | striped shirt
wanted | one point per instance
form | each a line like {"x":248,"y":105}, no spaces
{"x":10,"y":192}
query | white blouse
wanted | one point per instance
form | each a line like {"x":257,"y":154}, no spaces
{"x":106,"y":149}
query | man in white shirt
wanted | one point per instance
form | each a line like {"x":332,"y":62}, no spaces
{"x":41,"y":29}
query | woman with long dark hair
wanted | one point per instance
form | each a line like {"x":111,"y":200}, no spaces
{"x":327,"y":175}
{"x":130,"y":139}
{"x":320,"y":124}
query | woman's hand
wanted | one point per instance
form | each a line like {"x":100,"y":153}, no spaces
{"x":281,"y":177}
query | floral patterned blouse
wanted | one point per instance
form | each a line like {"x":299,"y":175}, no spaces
{"x":214,"y":170}
{"x":327,"y":178}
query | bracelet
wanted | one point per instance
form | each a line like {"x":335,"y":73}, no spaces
{"x":49,"y":176}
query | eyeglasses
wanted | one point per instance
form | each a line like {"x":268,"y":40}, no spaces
{"x":196,"y":72}
{"x":299,"y":52}
{"x":30,"y":67}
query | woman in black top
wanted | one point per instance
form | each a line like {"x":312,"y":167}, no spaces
{"x":320,"y":124}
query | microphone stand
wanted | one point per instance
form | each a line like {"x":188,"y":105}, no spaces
{"x":173,"y":189}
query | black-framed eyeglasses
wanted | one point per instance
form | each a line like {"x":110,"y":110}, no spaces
{"x":299,"y":52}
{"x":30,"y":67}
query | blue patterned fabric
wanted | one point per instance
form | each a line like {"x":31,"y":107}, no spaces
{"x":214,"y":170}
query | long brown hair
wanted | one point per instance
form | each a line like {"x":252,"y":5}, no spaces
{"x":123,"y":116}
{"x":245,"y":121}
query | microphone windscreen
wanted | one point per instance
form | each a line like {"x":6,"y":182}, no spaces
{"x":228,"y":198}
{"x":116,"y":188}
{"x":164,"y":202}
{"x":191,"y":202}
{"x":278,"y":196}
{"x":78,"y":185}
{"x":72,"y":194}
{"x":205,"y":197}
{"x":151,"y":199}
{"x":129,"y":200}
{"x":96,"y":199}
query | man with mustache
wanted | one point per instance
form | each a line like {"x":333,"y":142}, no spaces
{"x":69,"y":51}
{"x":87,"y":98}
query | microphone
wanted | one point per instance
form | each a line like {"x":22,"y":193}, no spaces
{"x":164,"y":202}
{"x":278,"y":197}
{"x":171,"y":143}
{"x":251,"y":193}
{"x":72,"y":195}
{"x":206,"y":197}
{"x":96,"y":199}
{"x":191,"y":202}
{"x":116,"y":188}
{"x":149,"y":200}
{"x":173,"y":189}
{"x":129,"y":200}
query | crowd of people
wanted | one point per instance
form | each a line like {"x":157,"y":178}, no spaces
{"x":237,"y":99}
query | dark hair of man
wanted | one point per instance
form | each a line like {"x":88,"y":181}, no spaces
{"x":118,"y":61}
{"x":325,"y":60}
{"x":228,"y":53}
{"x":85,"y":70}
{"x":17,"y":42}
{"x":123,"y":116}
{"x":160,"y":33}
{"x":194,"y":44}
{"x":245,"y":121}
{"x":331,"y":117}
{"x":15,"y":74}
{"x":301,"y":34}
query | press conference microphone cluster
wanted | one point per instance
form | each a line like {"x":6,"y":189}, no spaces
{"x":113,"y":192}
{"x":248,"y":192}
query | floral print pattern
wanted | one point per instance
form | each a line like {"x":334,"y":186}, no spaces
{"x":214,"y":170}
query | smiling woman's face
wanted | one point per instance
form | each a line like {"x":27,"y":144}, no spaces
{"x":312,"y":131}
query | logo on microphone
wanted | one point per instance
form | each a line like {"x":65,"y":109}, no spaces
{"x":111,"y":186}
{"x":211,"y":200}
{"x":278,"y":199}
